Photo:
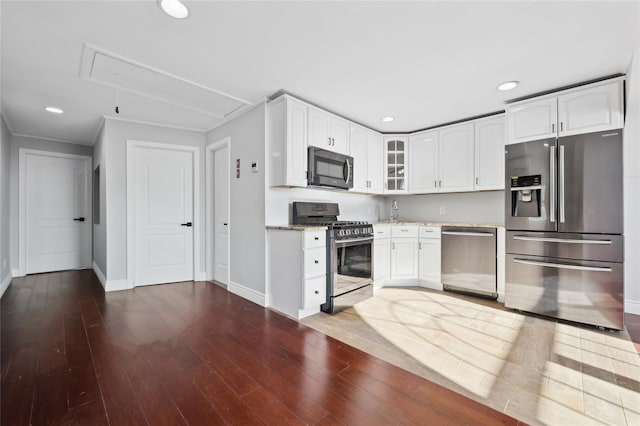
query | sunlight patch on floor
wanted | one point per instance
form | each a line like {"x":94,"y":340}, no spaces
{"x":466,"y":342}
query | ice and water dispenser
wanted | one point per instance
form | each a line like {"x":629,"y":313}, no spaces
{"x":526,"y":200}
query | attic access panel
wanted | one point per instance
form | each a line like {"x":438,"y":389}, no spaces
{"x":116,"y":71}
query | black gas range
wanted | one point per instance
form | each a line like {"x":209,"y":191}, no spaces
{"x":349,"y":254}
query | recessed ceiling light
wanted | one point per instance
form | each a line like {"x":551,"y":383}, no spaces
{"x":387,"y":119}
{"x":508,"y":85}
{"x":174,"y":8}
{"x":54,"y":110}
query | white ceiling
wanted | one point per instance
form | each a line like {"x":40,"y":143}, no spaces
{"x":425,"y":63}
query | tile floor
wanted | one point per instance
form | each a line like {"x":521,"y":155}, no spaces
{"x":534,"y":369}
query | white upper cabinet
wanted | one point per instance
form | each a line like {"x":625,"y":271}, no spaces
{"x":423,"y":162}
{"x":533,"y":120}
{"x":591,"y":108}
{"x":366,"y":149}
{"x":489,"y":153}
{"x":359,"y":152}
{"x":288,"y":142}
{"x":328,"y":131}
{"x":395,"y":148}
{"x":375,"y":155}
{"x":456,"y":158}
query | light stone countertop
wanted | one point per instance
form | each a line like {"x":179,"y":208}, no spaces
{"x":300,"y":228}
{"x":468,"y":225}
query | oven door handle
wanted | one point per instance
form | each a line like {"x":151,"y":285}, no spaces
{"x":355,"y":240}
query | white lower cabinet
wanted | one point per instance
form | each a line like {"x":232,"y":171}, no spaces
{"x":414,"y":258}
{"x":381,"y":255}
{"x":297,"y":271}
{"x":429,"y":257}
{"x":404,"y":252}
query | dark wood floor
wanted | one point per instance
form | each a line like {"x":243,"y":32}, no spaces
{"x":191,"y":353}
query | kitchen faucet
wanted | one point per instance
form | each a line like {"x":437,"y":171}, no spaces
{"x":394,"y":208}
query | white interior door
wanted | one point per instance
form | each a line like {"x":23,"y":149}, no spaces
{"x":58,"y":217}
{"x":221,"y":215}
{"x":163,"y":212}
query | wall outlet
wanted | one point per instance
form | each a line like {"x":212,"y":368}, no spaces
{"x":442,"y":211}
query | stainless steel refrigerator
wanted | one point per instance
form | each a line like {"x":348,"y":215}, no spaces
{"x":564,"y":220}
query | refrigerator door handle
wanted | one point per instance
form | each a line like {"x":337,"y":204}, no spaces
{"x":561,"y":240}
{"x":563,"y":265}
{"x":561,"y":181}
{"x":552,"y":184}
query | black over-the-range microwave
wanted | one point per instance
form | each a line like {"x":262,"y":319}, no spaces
{"x":329,"y":169}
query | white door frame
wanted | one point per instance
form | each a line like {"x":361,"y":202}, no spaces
{"x":209,"y":197}
{"x":132,"y":145}
{"x":22,"y":199}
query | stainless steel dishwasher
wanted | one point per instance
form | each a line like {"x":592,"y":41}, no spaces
{"x":469,"y":260}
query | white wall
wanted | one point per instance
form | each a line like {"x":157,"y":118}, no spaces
{"x":352,"y":206}
{"x":100,"y":230}
{"x":5,"y":265}
{"x":631,"y":183}
{"x":25,"y":142}
{"x":116,"y":134}
{"x":486,"y":207}
{"x":247,"y":202}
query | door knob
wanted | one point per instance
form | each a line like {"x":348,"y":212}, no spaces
{"x":79,"y":219}
{"x":189,"y":224}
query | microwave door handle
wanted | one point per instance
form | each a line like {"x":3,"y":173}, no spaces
{"x":348,"y":166}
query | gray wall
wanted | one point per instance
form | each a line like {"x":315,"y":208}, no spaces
{"x":100,"y":230}
{"x":485,"y":207}
{"x":115,"y":136}
{"x":5,"y":138}
{"x":631,"y":183}
{"x":25,"y":142}
{"x":247,"y":196}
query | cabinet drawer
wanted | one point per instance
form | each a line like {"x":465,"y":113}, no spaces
{"x":429,"y":231}
{"x":381,"y":231}
{"x":315,"y":291}
{"x":315,"y":262}
{"x":404,"y":231}
{"x":315,"y":239}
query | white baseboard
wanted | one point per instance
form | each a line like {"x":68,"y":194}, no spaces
{"x":632,"y":307}
{"x":5,"y":283}
{"x":200,"y":276}
{"x":116,"y":285}
{"x":99,"y":274}
{"x":432,"y":285}
{"x":16,"y":273}
{"x":247,"y":293}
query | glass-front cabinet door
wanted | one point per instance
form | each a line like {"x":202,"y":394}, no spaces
{"x":396,"y":164}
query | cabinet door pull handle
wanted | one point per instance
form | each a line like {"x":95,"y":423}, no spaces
{"x":393,"y":246}
{"x":316,"y":238}
{"x":420,"y":246}
{"x":316,"y":261}
{"x":188,"y":224}
{"x":435,"y":183}
{"x":553,"y":127}
{"x":476,"y":180}
{"x":79,"y":219}
{"x":561,"y":126}
{"x":440,"y":184}
{"x":316,"y":292}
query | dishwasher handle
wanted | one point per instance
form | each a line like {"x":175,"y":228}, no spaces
{"x":469,"y":234}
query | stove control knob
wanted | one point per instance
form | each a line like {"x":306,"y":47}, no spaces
{"x":356,"y":231}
